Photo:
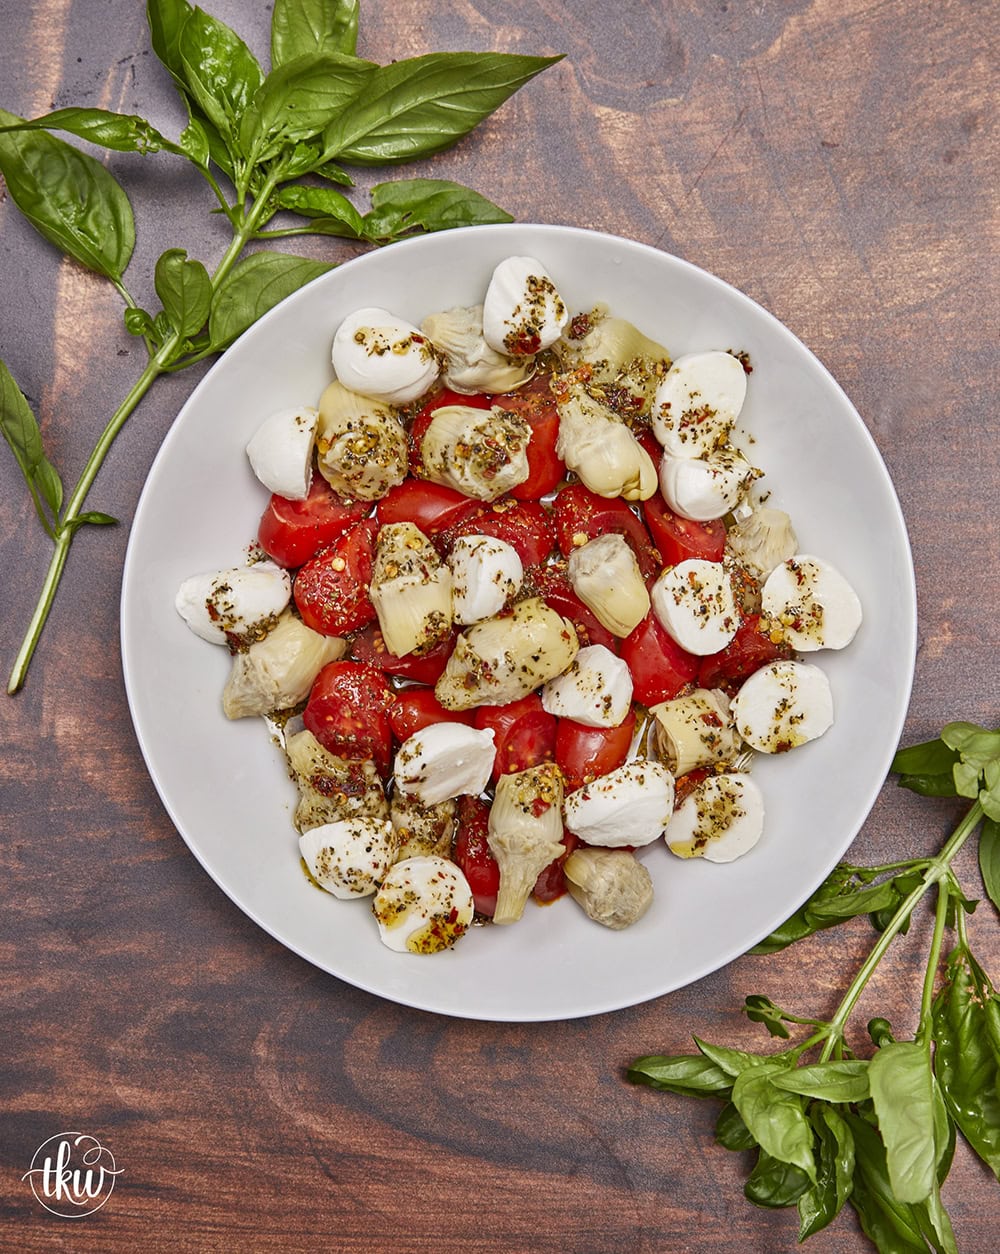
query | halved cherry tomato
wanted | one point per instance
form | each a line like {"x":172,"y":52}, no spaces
{"x":525,"y":525}
{"x":291,"y":532}
{"x":582,"y":515}
{"x":348,"y":712}
{"x":331,"y":589}
{"x":660,"y":667}
{"x":537,"y":406}
{"x":679,"y":538}
{"x":430,"y":506}
{"x":584,"y":753}
{"x":416,"y":708}
{"x":369,"y":646}
{"x":551,"y":882}
{"x":424,"y":416}
{"x":552,"y":584}
{"x":473,"y":855}
{"x":525,"y":733}
{"x":748,"y":651}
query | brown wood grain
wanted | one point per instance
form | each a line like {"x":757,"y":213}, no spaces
{"x":837,"y":161}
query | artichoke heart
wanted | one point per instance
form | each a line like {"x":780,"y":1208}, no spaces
{"x":596,"y":445}
{"x":360,"y":443}
{"x":525,"y":834}
{"x":331,"y":788}
{"x":422,"y":831}
{"x":471,"y":366}
{"x":277,"y":672}
{"x":411,"y":590}
{"x":482,"y":453}
{"x":696,"y":730}
{"x":763,"y":540}
{"x":502,"y":659}
{"x":625,"y":365}
{"x":606,"y":577}
{"x":611,"y":885}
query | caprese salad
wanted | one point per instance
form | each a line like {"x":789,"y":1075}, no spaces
{"x":522,"y":611}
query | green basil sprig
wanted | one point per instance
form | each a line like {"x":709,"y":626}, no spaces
{"x":831,"y":1128}
{"x":254,"y":136}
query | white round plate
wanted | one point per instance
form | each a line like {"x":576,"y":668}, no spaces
{"x":224,"y":784}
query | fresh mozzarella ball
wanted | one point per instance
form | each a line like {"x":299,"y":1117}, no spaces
{"x":815,"y":605}
{"x":423,"y":906}
{"x":486,"y":573}
{"x":698,"y":402}
{"x":349,"y":858}
{"x":695,"y":604}
{"x":522,"y":313}
{"x":234,"y":606}
{"x":629,"y":806}
{"x":705,"y":488}
{"x":384,"y":357}
{"x":719,"y":821}
{"x":444,"y":760}
{"x":782,"y":705}
{"x":280,"y":452}
{"x":596,"y":690}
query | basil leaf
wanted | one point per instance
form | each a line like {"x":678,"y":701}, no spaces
{"x":835,"y":1081}
{"x":823,"y":1201}
{"x":185,"y":291}
{"x":965,"y":1058}
{"x":902,"y":1092}
{"x":299,"y":27}
{"x":890,"y":1224}
{"x":165,"y":19}
{"x":123,"y":132}
{"x":68,"y":197}
{"x":773,"y":1183}
{"x":253,"y":287}
{"x":21,"y":431}
{"x":849,"y":905}
{"x":989,"y":798}
{"x":802,"y":923}
{"x":138,"y":322}
{"x":426,"y":205}
{"x":730,"y":1130}
{"x":976,"y":745}
{"x":929,"y":785}
{"x":194,"y":141}
{"x":935,"y":1224}
{"x":690,"y":1075}
{"x":332,"y":212}
{"x":732,"y":1061}
{"x":416,"y":107}
{"x":989,"y":859}
{"x":933,"y":757}
{"x":91,"y":518}
{"x":220,"y":71}
{"x":297,"y":100}
{"x":774,"y":1118}
{"x":333,"y":174}
{"x":760,"y":1009}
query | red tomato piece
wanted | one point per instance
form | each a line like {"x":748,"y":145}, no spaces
{"x":525,"y":733}
{"x":749,"y":650}
{"x":331,"y":589}
{"x":425,"y":415}
{"x":348,"y":712}
{"x":583,"y":753}
{"x":679,"y":538}
{"x":582,"y":515}
{"x":552,"y":584}
{"x":430,"y":506}
{"x":525,"y":525}
{"x":427,"y":668}
{"x":416,"y":708}
{"x":291,"y":532}
{"x":650,"y":443}
{"x":551,"y":882}
{"x":660,"y":667}
{"x":473,"y":855}
{"x":537,"y":406}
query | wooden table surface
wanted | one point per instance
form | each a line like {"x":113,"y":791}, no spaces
{"x":836,"y":160}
